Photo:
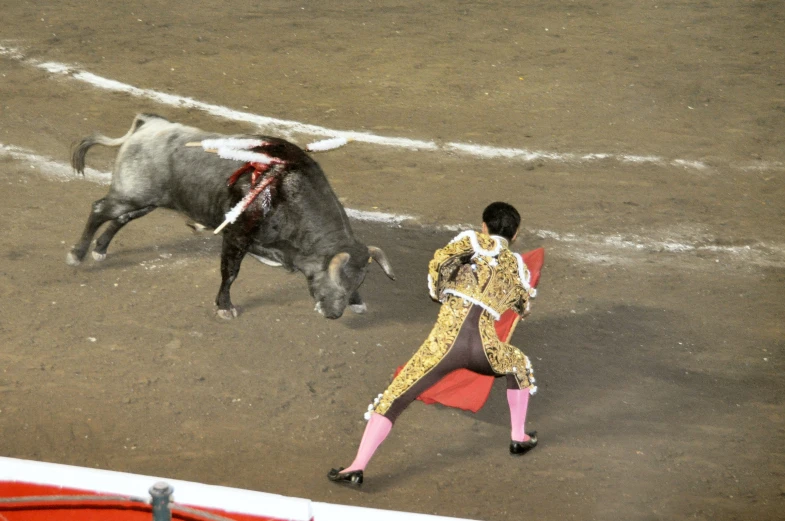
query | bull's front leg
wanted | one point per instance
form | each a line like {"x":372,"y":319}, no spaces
{"x":233,"y":250}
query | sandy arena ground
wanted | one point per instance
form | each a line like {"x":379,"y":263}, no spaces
{"x":657,"y":337}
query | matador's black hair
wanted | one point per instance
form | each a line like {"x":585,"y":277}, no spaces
{"x":502,"y":219}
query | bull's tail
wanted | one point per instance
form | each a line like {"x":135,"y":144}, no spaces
{"x":80,"y":150}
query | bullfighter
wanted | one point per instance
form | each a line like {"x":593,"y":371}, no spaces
{"x":476,"y":278}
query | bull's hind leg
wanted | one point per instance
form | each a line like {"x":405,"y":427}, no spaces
{"x":105,"y":209}
{"x":233,"y":250}
{"x":99,"y":252}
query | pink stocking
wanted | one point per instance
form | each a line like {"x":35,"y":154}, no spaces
{"x":375,"y":432}
{"x":518,"y":400}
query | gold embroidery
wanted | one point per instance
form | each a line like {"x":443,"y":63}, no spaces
{"x":451,"y":317}
{"x":503,"y":357}
{"x":494,"y":281}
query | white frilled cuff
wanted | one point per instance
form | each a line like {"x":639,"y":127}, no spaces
{"x":372,"y":406}
{"x":431,"y":288}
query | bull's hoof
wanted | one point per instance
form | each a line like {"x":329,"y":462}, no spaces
{"x":359,"y":308}
{"x":228,"y":314}
{"x":98,"y":257}
{"x":72,"y":260}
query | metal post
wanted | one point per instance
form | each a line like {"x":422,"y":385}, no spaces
{"x":161,"y":493}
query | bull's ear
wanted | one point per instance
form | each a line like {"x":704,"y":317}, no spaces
{"x":336,"y":265}
{"x":378,"y":255}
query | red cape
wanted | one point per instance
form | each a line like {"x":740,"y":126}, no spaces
{"x":466,"y":389}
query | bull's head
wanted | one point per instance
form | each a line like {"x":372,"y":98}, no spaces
{"x":336,"y":287}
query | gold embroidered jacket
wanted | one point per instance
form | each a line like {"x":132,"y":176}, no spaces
{"x":481,"y":269}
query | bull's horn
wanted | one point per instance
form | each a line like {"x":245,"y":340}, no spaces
{"x":336,"y":265}
{"x":378,"y":255}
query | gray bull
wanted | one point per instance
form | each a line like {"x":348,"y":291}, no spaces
{"x":306,"y":228}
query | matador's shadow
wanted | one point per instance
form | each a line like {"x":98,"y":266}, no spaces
{"x":580,"y":357}
{"x":605,"y":374}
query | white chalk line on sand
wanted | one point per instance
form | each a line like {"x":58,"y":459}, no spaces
{"x":287,"y":126}
{"x":50,"y":167}
{"x":592,"y":246}
{"x":757,"y":253}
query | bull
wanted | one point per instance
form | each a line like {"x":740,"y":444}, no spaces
{"x":305,"y":229}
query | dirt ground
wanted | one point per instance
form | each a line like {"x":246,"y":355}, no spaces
{"x":657,"y":338}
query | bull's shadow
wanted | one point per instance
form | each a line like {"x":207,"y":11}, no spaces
{"x":406,"y":299}
{"x":206,"y":247}
{"x":126,"y":253}
{"x":134,"y":248}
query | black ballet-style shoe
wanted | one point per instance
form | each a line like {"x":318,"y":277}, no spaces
{"x":522,"y":447}
{"x":354,"y":477}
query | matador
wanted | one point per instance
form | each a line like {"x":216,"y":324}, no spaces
{"x":476,"y":278}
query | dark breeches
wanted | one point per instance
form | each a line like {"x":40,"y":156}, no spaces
{"x":466,"y":352}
